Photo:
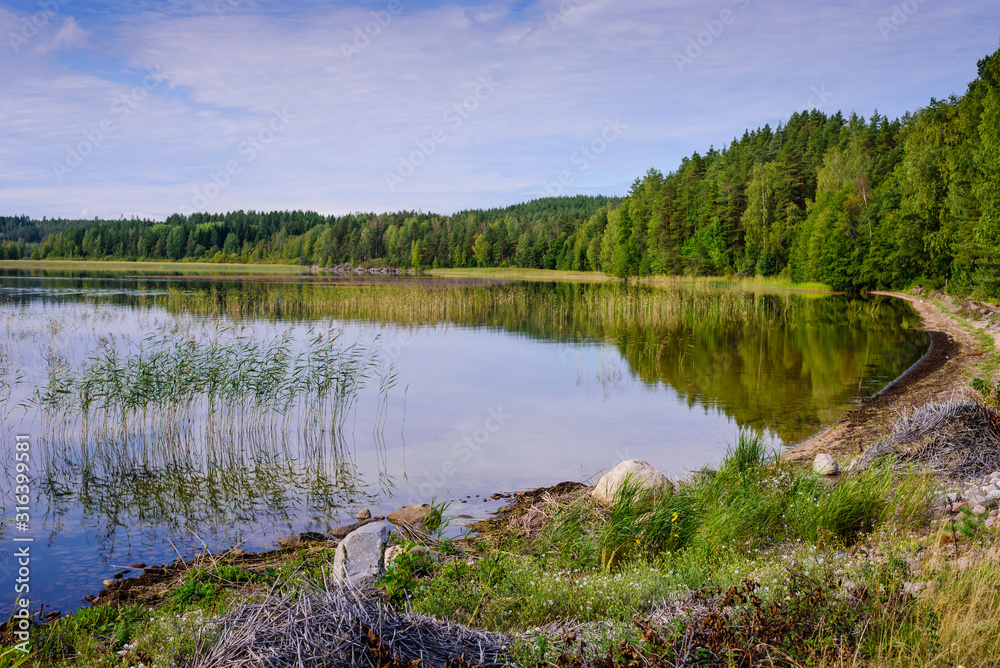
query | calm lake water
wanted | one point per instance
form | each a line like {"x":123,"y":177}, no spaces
{"x":165,"y":414}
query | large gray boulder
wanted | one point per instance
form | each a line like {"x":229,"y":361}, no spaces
{"x":359,"y":558}
{"x":638,"y":472}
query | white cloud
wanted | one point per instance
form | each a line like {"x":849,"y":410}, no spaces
{"x":70,"y":36}
{"x":365,"y":92}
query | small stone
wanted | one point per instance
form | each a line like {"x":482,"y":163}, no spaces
{"x":347,"y":529}
{"x":977,"y":500}
{"x":990,"y":523}
{"x":964,"y":564}
{"x":237,"y":552}
{"x":120,"y":574}
{"x":110,"y":584}
{"x":392,"y":552}
{"x":137,"y":565}
{"x":412,"y":514}
{"x":824,"y":464}
{"x":299,"y":538}
{"x":980,"y":510}
{"x":957,"y":506}
{"x":364,"y":514}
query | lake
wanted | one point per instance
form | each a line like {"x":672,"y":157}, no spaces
{"x":166,"y":414}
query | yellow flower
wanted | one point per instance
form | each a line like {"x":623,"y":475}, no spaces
{"x":674,"y":518}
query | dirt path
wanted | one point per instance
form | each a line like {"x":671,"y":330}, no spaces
{"x":945,"y":371}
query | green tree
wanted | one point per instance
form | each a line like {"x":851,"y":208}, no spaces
{"x":481,"y":250}
{"x":232,"y":244}
{"x":987,"y":186}
{"x":176,"y":241}
{"x":416,"y":259}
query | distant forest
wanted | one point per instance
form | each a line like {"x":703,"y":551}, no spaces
{"x":851,"y":202}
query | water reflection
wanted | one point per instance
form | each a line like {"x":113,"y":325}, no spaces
{"x":587,"y":374}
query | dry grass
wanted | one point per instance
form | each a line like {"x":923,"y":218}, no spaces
{"x":957,"y":439}
{"x":341,"y":628}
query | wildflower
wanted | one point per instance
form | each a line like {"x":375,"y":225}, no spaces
{"x":674,"y":518}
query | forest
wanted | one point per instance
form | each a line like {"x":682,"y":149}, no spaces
{"x":851,"y":202}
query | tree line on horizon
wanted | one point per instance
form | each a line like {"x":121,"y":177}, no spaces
{"x":851,"y":202}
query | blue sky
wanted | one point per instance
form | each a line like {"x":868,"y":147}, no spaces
{"x":148,"y":108}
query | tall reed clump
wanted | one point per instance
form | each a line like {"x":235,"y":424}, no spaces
{"x":178,"y":391}
{"x":752,"y":501}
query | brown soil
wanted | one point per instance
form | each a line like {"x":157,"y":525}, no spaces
{"x":944,"y":372}
{"x":521,"y":513}
{"x":156,"y":582}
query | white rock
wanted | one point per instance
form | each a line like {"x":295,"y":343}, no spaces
{"x":636,"y":471}
{"x":824,"y":464}
{"x":979,"y":510}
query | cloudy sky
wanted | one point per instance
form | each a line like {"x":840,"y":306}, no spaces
{"x":147,"y":108}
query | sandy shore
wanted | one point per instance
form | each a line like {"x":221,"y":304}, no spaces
{"x":945,"y":371}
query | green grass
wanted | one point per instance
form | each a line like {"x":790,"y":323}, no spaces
{"x":517,"y":274}
{"x":988,"y":383}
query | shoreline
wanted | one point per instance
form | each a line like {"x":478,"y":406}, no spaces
{"x":945,"y":370}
